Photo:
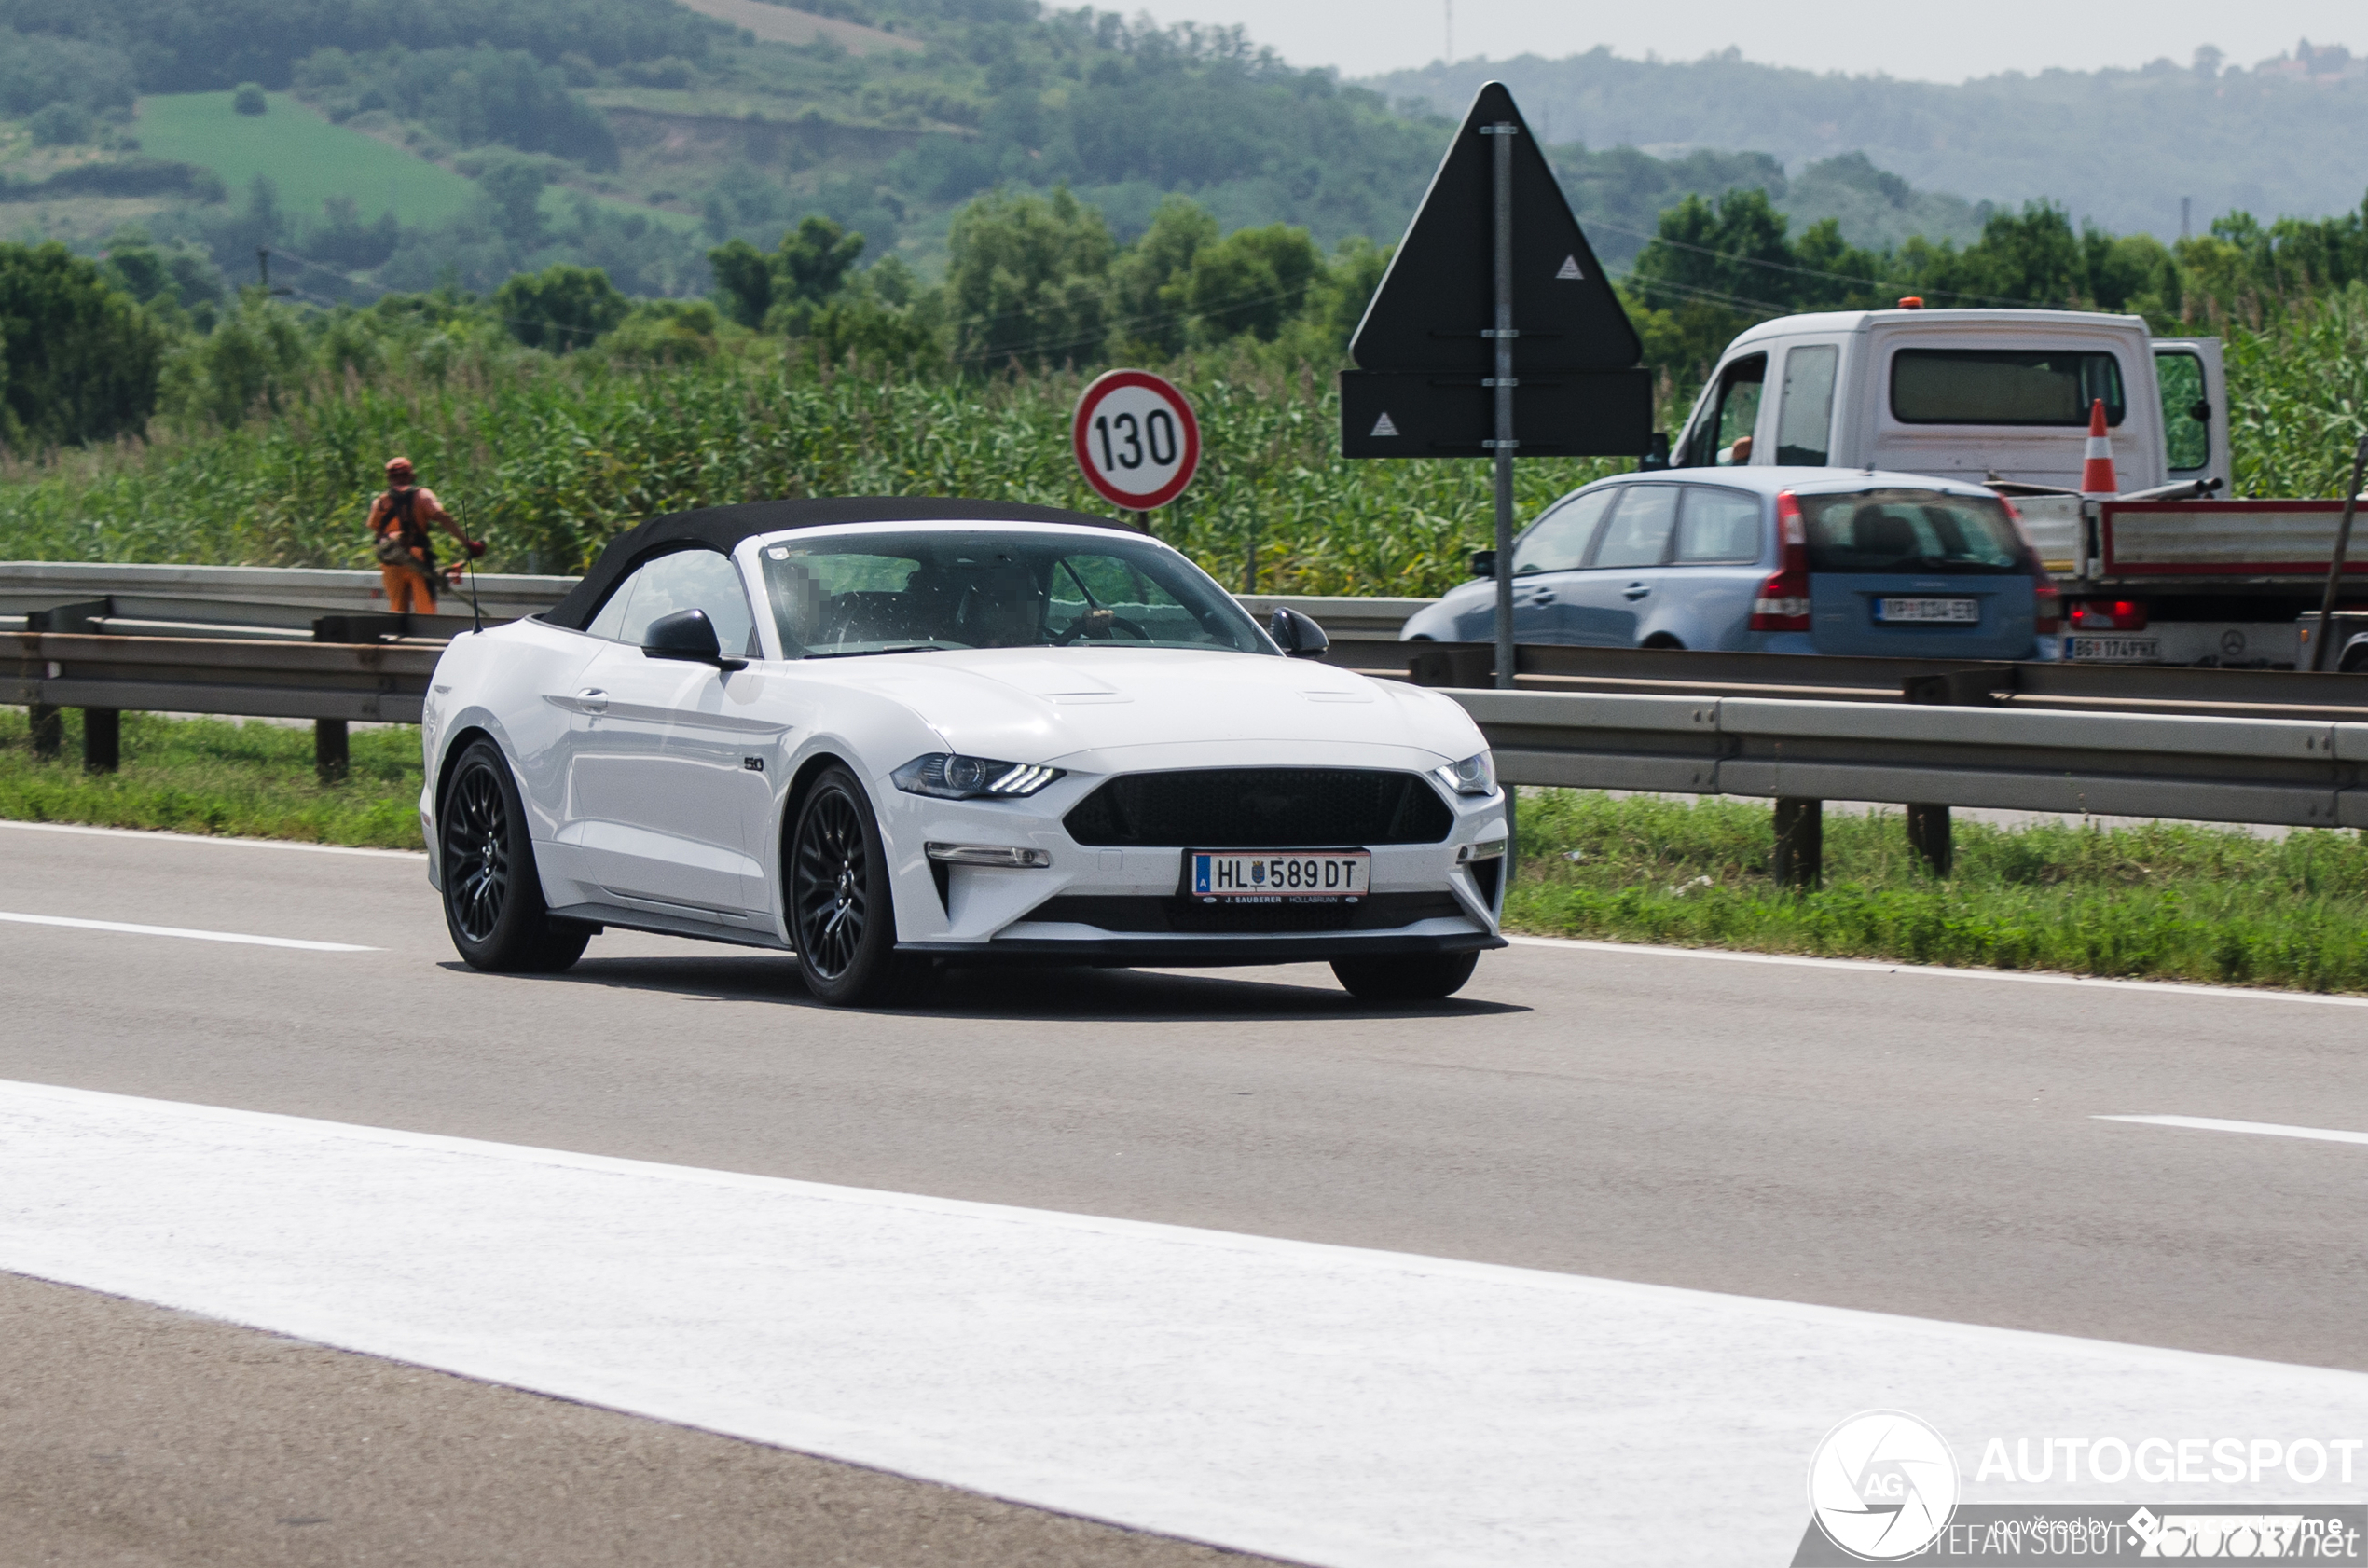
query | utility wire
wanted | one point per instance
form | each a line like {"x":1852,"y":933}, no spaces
{"x":1802,"y":271}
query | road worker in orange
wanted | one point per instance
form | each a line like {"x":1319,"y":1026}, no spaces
{"x":399,"y":520}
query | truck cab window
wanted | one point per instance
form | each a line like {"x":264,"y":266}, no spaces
{"x":2004,"y":386}
{"x":2187,"y":414}
{"x":1805,"y":417}
{"x":1733,"y":413}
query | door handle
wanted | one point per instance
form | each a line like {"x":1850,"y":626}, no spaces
{"x":592,"y":700}
{"x":1634,"y":591}
{"x":1543,"y":595}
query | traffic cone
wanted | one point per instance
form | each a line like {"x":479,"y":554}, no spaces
{"x":2097,"y":472}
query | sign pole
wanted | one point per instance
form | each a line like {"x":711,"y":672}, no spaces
{"x":1503,"y":383}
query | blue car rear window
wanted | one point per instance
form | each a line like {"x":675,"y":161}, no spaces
{"x":1893,"y":531}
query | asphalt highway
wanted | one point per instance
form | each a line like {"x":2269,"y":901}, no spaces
{"x":1910,"y":1143}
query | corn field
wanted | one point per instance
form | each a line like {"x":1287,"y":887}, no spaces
{"x":549,"y":458}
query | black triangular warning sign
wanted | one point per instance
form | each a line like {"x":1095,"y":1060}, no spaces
{"x":1439,"y":295}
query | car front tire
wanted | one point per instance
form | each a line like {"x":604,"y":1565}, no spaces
{"x":492,"y":893}
{"x":1412,"y":977}
{"x":842,"y":909}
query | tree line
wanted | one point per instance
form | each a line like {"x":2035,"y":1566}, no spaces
{"x":95,"y":350}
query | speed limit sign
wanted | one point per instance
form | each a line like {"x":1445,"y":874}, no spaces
{"x":1135,"y":439}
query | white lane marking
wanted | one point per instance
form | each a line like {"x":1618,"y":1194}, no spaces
{"x":1326,"y":1404}
{"x":131,"y":930}
{"x":2216,"y":1124}
{"x":160,"y":836}
{"x":1936,"y":971}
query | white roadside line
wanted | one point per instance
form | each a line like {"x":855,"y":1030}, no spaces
{"x":1331,"y":1405}
{"x":161,"y":836}
{"x":1934,"y":972}
{"x":131,"y":929}
{"x":2216,"y":1124}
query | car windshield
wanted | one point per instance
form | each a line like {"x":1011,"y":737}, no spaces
{"x":835,"y":594}
{"x":1902,"y":530}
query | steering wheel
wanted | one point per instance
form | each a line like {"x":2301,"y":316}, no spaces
{"x":1099,"y":623}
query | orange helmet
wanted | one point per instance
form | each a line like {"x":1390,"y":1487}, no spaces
{"x":398,"y":465}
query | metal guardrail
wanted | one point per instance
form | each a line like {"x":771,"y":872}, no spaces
{"x":1929,"y":759}
{"x":284,"y":601}
{"x":332,"y":684}
{"x":267,"y":599}
{"x":345,"y":681}
{"x":2296,"y":773}
{"x":2281,"y":693}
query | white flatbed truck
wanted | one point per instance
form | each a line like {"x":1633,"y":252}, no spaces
{"x":2157,"y":574}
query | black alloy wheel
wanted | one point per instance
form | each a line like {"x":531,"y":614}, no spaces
{"x":1408,"y":977}
{"x":842,"y":912}
{"x":492,"y":894}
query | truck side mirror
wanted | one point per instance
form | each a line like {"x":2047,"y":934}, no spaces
{"x":1655,"y":456}
{"x":1484,"y":563}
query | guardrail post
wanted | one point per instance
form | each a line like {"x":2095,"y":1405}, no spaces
{"x":331,"y":753}
{"x":48,"y":725}
{"x":1801,"y":842}
{"x":1927,"y":834}
{"x":101,"y":739}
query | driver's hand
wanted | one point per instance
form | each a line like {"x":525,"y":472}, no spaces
{"x":1099,"y":616}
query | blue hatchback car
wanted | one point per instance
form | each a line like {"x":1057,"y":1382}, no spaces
{"x":1778,"y":560}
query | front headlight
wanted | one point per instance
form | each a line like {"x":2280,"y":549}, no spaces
{"x":1473,"y":776}
{"x":952,"y":777}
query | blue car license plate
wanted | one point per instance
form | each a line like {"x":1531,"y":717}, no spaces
{"x":1928,"y":611}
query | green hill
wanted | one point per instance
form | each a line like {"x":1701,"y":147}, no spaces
{"x":2123,"y":147}
{"x":311,"y":160}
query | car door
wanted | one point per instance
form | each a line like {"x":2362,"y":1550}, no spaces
{"x":1705,"y":597}
{"x":1546,"y":565}
{"x":1605,"y":601}
{"x":666,"y":793}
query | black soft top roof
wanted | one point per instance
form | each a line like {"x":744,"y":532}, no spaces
{"x":722,"y":527}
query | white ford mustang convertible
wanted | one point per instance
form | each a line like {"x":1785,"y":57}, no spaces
{"x":892,"y":734}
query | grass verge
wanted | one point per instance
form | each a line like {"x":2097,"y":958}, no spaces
{"x":210,"y":775}
{"x":2158,"y":902}
{"x":2161,"y":902}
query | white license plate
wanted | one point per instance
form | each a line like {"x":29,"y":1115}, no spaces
{"x":1268,"y":875}
{"x":1947,"y":612}
{"x":2113,"y":650}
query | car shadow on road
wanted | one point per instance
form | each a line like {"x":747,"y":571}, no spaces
{"x":1096,"y":995}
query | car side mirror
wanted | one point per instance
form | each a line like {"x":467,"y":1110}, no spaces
{"x":687,"y":635}
{"x":1297,"y":635}
{"x":1484,"y":563}
{"x":1655,"y":456}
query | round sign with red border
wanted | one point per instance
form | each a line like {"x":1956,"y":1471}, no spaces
{"x":1135,"y":439}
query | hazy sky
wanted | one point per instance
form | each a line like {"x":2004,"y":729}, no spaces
{"x":1364,"y":37}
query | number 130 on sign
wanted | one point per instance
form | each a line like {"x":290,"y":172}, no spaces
{"x":1135,"y":439}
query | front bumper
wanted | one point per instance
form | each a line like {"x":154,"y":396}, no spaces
{"x":1206,"y":952}
{"x":1095,"y":904}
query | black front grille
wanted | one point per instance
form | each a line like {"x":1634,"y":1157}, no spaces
{"x":1138,"y":913}
{"x":1261,"y":808}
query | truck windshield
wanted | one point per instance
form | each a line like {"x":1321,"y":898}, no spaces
{"x":2002,"y":387}
{"x":836,"y":595}
{"x":1887,"y":532}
